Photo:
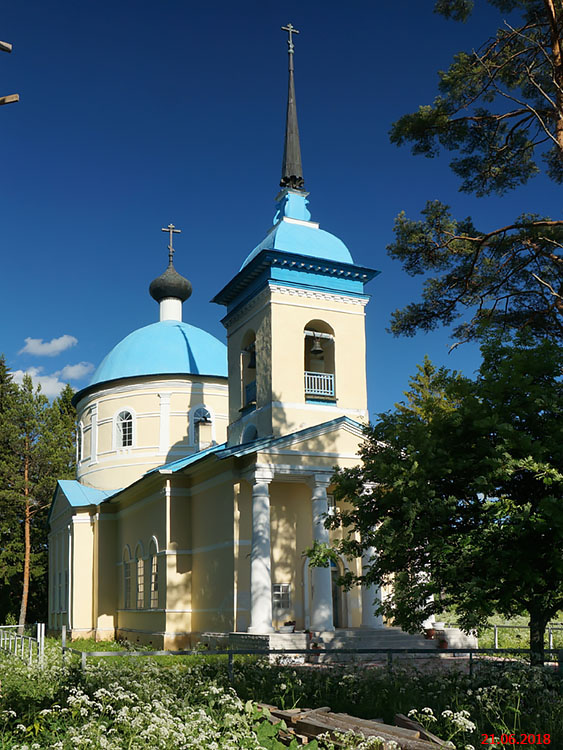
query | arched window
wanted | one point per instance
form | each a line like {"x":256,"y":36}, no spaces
{"x":319,"y":361}
{"x":140,"y":566}
{"x":153,"y":556}
{"x":126,"y":578}
{"x":201,"y":430}
{"x":124,"y":429}
{"x":248,"y":369}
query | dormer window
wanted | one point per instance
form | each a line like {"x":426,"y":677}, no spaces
{"x":124,"y":429}
{"x":319,"y":361}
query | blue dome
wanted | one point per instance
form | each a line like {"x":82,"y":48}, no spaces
{"x":168,"y":347}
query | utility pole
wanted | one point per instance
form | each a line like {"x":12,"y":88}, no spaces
{"x":7,"y":47}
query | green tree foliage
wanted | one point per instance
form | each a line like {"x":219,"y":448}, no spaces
{"x":500,"y":109}
{"x":36,"y":448}
{"x":460,"y":493}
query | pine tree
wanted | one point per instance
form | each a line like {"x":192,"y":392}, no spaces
{"x":36,"y":448}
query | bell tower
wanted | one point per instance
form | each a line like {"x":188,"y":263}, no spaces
{"x":295,"y":316}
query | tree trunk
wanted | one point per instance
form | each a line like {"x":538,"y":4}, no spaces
{"x":557,"y":57}
{"x":537,"y":624}
{"x":27,"y":544}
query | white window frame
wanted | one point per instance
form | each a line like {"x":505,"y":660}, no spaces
{"x":153,"y":557}
{"x":117,"y":435}
{"x":281,"y":597}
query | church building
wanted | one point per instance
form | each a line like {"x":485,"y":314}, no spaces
{"x":204,"y":469}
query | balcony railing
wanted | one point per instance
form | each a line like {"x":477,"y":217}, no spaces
{"x":319,"y":384}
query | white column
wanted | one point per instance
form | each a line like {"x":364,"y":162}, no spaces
{"x":164,"y":441}
{"x":321,"y":579}
{"x":371,"y":596}
{"x":260,"y":564}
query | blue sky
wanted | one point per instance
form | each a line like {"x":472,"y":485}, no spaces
{"x":137,"y":114}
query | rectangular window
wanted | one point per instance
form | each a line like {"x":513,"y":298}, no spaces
{"x":140,"y":583}
{"x":127,"y":585}
{"x":154,"y":582}
{"x":281,"y":596}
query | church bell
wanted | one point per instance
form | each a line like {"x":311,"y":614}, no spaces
{"x":317,"y":349}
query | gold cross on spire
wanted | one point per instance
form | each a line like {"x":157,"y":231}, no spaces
{"x":290,"y":31}
{"x":171,"y":229}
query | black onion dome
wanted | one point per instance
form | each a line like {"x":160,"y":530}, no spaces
{"x":170,"y":284}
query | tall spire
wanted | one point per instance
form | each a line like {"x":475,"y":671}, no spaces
{"x":292,"y":170}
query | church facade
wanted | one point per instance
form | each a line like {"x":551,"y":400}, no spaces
{"x":204,"y":470}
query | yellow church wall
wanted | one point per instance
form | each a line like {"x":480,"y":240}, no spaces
{"x":278,"y":316}
{"x":105,"y":465}
{"x":213,"y":554}
{"x":82,"y":575}
{"x":291,"y":313}
{"x":256,"y":321}
{"x":291,"y":530}
{"x":107,"y":579}
{"x":242,"y":529}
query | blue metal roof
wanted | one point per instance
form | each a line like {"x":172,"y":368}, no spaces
{"x":304,"y":240}
{"x":78,"y":495}
{"x":293,"y":232}
{"x":167,"y":347}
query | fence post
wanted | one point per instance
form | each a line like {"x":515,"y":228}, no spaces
{"x":83,"y":660}
{"x":42,"y":645}
{"x":63,"y":642}
{"x":390,"y":661}
{"x":230,"y":668}
{"x":471,"y":663}
{"x":496,"y":636}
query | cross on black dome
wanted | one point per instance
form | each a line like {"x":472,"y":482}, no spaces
{"x":170,"y":283}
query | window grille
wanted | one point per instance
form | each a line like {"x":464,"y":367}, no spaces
{"x":154,"y":582}
{"x":281,"y":596}
{"x":140,"y":583}
{"x":124,"y":429}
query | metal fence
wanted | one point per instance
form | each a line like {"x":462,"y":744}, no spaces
{"x":317,"y":656}
{"x":13,"y":640}
{"x":551,"y":628}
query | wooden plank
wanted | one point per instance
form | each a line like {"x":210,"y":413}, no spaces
{"x":9,"y":99}
{"x":412,"y":734}
{"x":404,"y":721}
{"x":315,"y":725}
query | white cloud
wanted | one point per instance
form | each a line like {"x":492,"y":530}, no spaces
{"x":41,"y":348}
{"x":76,"y":372}
{"x":52,"y":385}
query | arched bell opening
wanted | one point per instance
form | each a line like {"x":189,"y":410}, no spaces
{"x":248,"y":369}
{"x":319,"y":367}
